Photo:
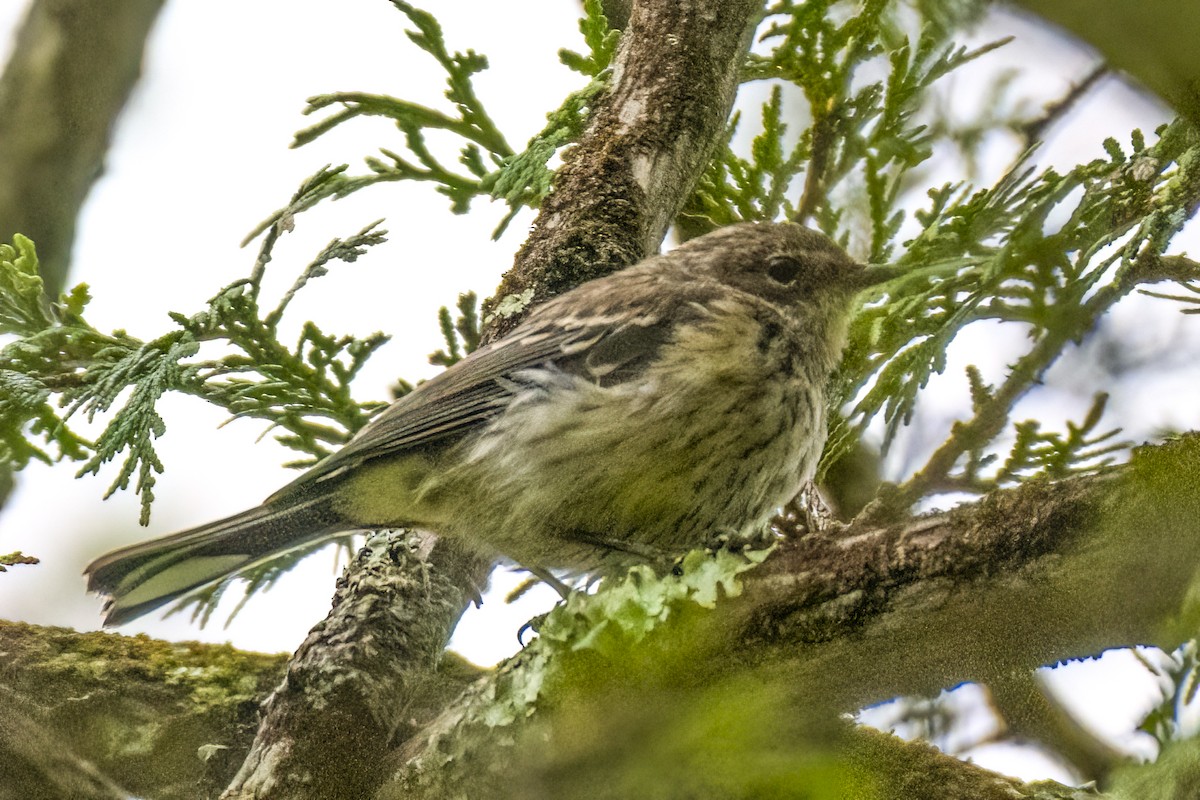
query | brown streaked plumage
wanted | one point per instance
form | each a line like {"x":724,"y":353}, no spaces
{"x":647,"y":411}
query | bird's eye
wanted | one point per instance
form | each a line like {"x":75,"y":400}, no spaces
{"x":783,"y":269}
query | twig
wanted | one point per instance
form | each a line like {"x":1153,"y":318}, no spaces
{"x":1034,"y":130}
{"x":814,"y":180}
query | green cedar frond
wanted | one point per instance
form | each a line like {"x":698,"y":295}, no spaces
{"x":601,"y":42}
{"x":994,"y":254}
{"x":347,"y":250}
{"x":465,"y":329}
{"x":1040,"y":454}
{"x":523,"y":180}
{"x":735,"y":188}
{"x":58,"y":361}
{"x":23,"y":304}
{"x":492,"y":168}
{"x":1178,"y":676}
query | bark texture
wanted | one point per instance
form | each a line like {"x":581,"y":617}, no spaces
{"x":364,"y":675}
{"x":673,"y":83}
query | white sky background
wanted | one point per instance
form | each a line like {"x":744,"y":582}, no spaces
{"x":200,"y":156}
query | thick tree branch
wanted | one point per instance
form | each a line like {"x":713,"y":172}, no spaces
{"x":1023,"y":578}
{"x":74,"y":65}
{"x":364,"y":674}
{"x":159,"y":718}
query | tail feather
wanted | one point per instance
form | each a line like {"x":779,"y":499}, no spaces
{"x":140,"y":578}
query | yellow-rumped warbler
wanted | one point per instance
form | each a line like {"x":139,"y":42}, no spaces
{"x":647,"y":411}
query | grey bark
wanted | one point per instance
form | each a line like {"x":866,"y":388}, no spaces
{"x":360,"y":677}
{"x":674,"y":80}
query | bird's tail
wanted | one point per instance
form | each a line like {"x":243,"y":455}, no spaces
{"x":142,"y":577}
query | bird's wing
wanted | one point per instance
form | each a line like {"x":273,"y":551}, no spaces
{"x":610,"y":345}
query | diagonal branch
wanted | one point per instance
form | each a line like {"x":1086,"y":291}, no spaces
{"x":674,"y":79}
{"x":72,"y":68}
{"x":1023,"y":578}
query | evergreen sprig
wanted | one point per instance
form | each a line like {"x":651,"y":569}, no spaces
{"x":994,"y":254}
{"x":980,"y":253}
{"x":59,"y":366}
{"x":46,"y":356}
{"x":862,"y":140}
{"x":601,"y":42}
{"x":1174,"y":717}
{"x":734,"y":188}
{"x":152,"y":369}
{"x":461,"y":335}
{"x":1037,"y":453}
{"x":492,"y":168}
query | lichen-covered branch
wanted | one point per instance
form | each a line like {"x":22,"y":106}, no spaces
{"x":672,"y":87}
{"x":366,"y":673}
{"x":161,"y":719}
{"x":833,"y":622}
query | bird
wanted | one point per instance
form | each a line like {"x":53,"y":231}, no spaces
{"x":645,"y":412}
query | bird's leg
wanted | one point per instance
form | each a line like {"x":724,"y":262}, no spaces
{"x":644,"y":552}
{"x":547,"y":577}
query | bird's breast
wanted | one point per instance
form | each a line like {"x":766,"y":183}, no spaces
{"x":719,"y":430}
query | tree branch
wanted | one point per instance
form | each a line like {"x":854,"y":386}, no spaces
{"x":74,"y":65}
{"x":1023,"y":578}
{"x":163,"y":719}
{"x":673,"y":83}
{"x":1034,"y":131}
{"x":363,"y":675}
